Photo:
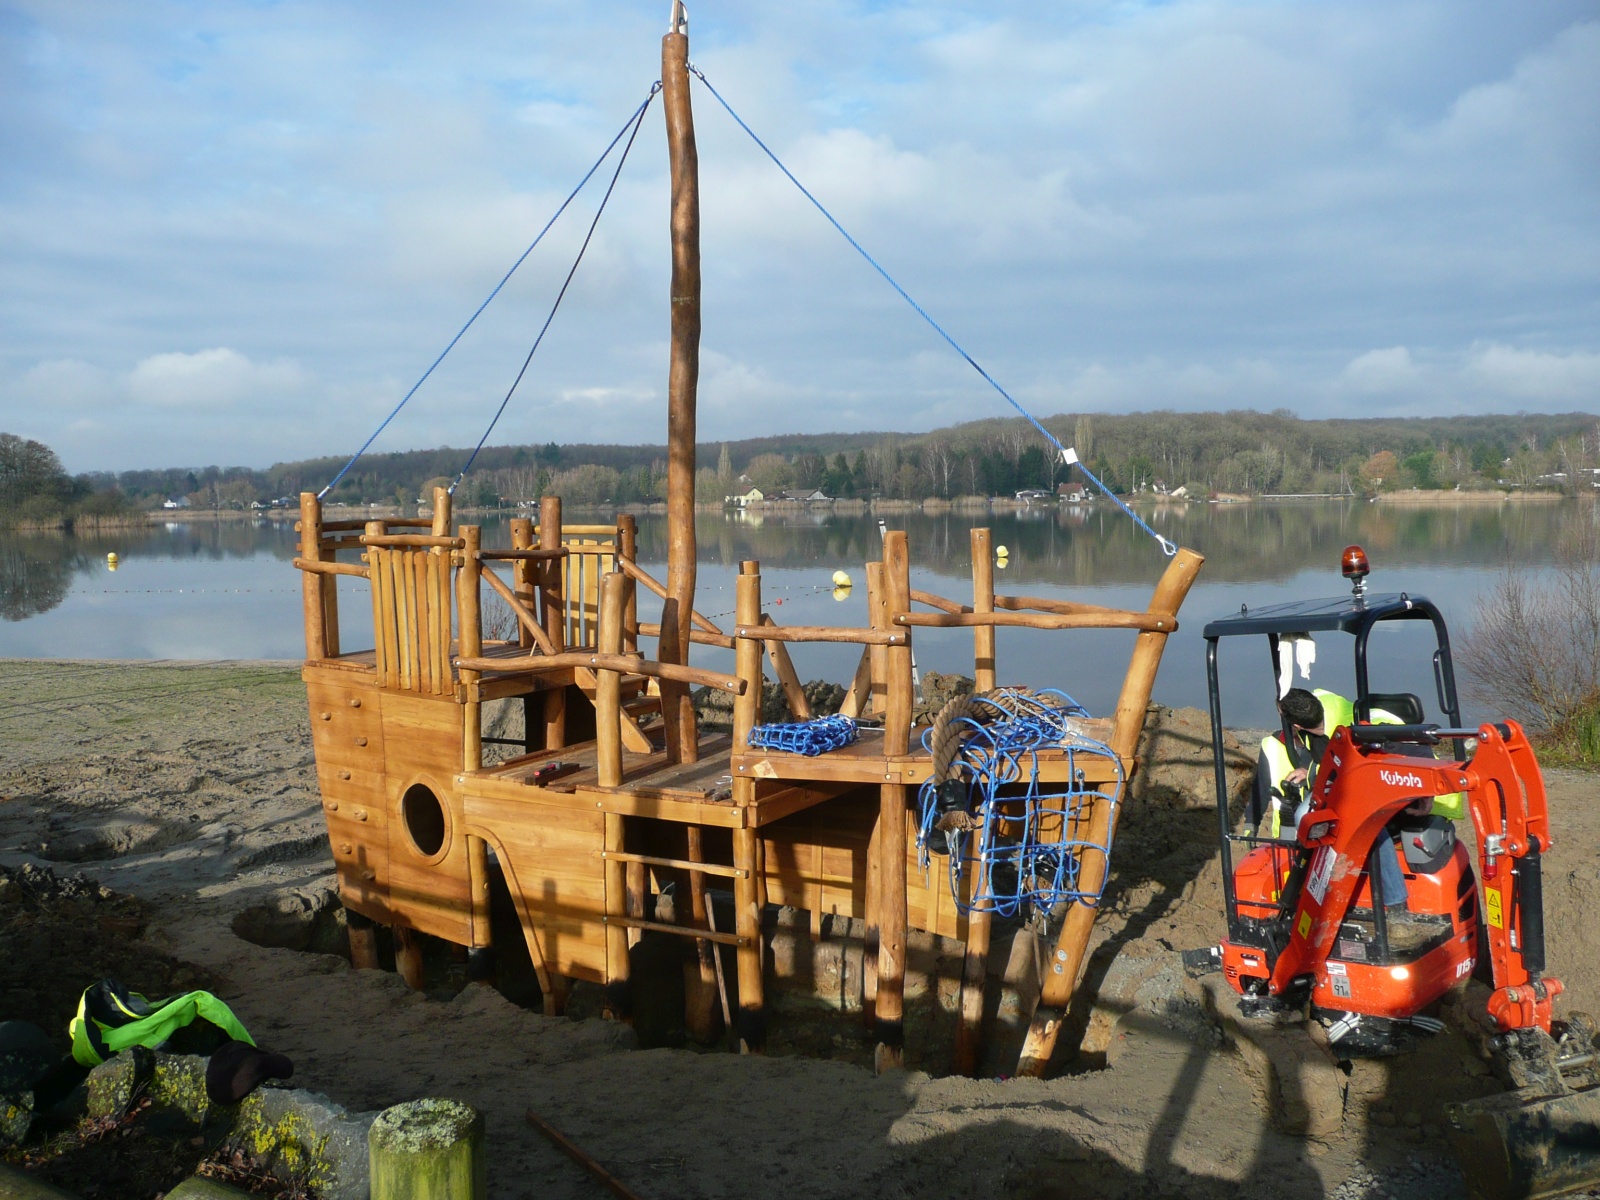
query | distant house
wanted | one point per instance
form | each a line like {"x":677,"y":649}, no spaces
{"x":754,"y":496}
{"x":805,"y":496}
{"x":175,"y":502}
{"x":1072,"y":493}
{"x":1033,"y":495}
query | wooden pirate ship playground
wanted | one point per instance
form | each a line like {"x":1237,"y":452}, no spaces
{"x":615,"y":796}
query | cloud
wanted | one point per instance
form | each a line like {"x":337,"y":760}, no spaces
{"x":1538,"y":375}
{"x":1379,"y":371}
{"x":211,"y":379}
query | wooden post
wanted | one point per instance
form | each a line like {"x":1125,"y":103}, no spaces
{"x":428,"y":1150}
{"x":478,"y":884}
{"x":628,"y":548}
{"x":441,"y":511}
{"x":522,"y":573}
{"x":469,"y":615}
{"x":312,"y":582}
{"x":751,"y":1022}
{"x":700,"y":973}
{"x":608,"y":770}
{"x":890,"y":1002}
{"x":408,"y":957}
{"x":684,"y":373}
{"x":878,"y":659}
{"x":975,"y":965}
{"x":1066,"y":961}
{"x":555,"y":617}
{"x":363,"y":940}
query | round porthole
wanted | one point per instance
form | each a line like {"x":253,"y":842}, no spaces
{"x":424,"y":819}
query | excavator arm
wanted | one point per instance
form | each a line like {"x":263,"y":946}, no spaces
{"x":1364,"y":784}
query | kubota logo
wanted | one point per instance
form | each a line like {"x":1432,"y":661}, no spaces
{"x":1401,"y":778}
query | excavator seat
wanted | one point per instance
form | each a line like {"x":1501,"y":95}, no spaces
{"x":1405,"y":707}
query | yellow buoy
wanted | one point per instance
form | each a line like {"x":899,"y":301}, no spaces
{"x":1001,"y":552}
{"x":842,"y":592}
{"x":841,"y":579}
{"x":1001,"y":564}
{"x":111,"y":561}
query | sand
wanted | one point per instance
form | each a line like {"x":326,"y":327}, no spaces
{"x":191,"y":788}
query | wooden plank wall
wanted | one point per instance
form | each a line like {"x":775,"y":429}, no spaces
{"x":411,"y":619}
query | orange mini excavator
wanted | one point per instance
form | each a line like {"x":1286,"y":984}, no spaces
{"x":1310,"y":930}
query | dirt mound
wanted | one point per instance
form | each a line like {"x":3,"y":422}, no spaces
{"x":59,"y":934}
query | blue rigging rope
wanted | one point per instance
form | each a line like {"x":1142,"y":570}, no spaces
{"x":1068,"y":456}
{"x":507,"y":277}
{"x":638,"y":120}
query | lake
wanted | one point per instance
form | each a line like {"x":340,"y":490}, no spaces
{"x":211,"y":590}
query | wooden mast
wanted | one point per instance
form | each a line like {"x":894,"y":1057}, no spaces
{"x":682,"y":379}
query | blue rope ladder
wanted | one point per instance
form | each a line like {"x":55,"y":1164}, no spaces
{"x":817,"y":736}
{"x":1021,"y":839}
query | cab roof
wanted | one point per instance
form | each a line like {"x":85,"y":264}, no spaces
{"x":1341,"y":614}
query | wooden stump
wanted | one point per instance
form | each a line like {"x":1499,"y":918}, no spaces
{"x":428,"y":1150}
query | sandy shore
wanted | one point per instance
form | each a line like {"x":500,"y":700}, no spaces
{"x":192,"y":787}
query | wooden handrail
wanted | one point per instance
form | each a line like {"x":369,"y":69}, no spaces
{"x":424,"y":541}
{"x":627,"y":664}
{"x":332,"y":568}
{"x":636,"y":572}
{"x":1108,"y":619}
{"x":939,"y":602}
{"x":1040,"y":604}
{"x":524,"y":618}
{"x":402,"y":522}
{"x":823,"y":633}
{"x":681,"y":864}
{"x":698,"y":636}
{"x":581,"y":530}
{"x":523,"y":555}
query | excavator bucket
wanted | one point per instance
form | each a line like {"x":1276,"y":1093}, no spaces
{"x":1514,"y":1148}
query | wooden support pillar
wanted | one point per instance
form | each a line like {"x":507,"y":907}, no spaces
{"x":889,"y":1011}
{"x":751,"y":1021}
{"x":684,"y":372}
{"x":408,"y":957}
{"x":875,"y":701}
{"x":608,"y":771}
{"x":363,"y":940}
{"x":480,"y":953}
{"x":975,"y":964}
{"x":469,"y":616}
{"x":788,"y":679}
{"x":700,"y":972}
{"x":312,"y":582}
{"x":555,"y":617}
{"x":1066,"y":960}
{"x":878,"y":656}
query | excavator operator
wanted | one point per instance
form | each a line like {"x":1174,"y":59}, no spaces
{"x":1286,"y":770}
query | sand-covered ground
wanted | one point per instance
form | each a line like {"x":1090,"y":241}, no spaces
{"x":191,"y":787}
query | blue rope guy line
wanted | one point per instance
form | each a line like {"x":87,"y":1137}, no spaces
{"x":504,"y":280}
{"x":1020,"y":841}
{"x":1068,"y":455}
{"x":638,"y":120}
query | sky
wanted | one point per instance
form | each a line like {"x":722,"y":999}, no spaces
{"x":239,"y":232}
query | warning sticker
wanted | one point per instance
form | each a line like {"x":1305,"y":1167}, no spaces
{"x":1491,"y":905}
{"x":1321,"y":873}
{"x":1341,"y":986}
{"x":1336,"y":968}
{"x":1303,"y":926}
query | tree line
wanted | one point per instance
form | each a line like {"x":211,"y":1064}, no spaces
{"x":1235,"y":452}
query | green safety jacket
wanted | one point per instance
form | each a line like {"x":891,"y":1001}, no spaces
{"x":111,"y":1018}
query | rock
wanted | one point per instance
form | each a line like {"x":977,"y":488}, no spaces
{"x":16,"y":1114}
{"x":1173,"y":762}
{"x":301,"y":919}
{"x":26,"y":1054}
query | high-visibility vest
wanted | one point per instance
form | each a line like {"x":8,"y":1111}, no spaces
{"x":111,"y":1018}
{"x":1336,"y":712}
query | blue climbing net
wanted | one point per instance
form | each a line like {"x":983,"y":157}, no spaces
{"x":806,"y":737}
{"x":1028,"y":842}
